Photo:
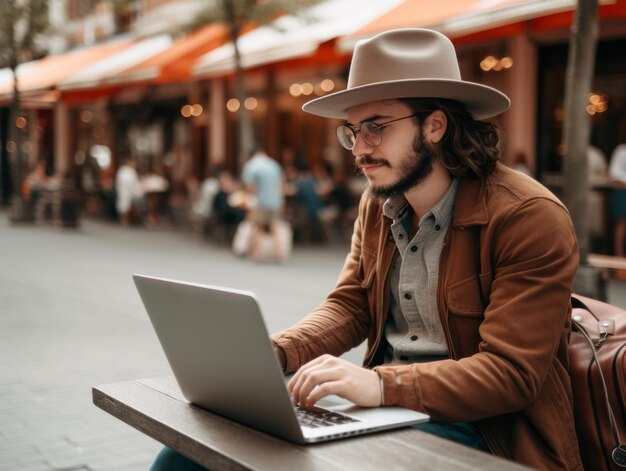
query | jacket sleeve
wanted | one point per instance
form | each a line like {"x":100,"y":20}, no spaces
{"x":340,"y":323}
{"x":534,"y":259}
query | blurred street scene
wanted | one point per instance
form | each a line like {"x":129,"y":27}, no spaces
{"x":144,"y":112}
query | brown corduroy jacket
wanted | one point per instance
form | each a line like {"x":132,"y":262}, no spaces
{"x":505,"y":280}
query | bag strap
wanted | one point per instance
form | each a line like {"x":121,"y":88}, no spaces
{"x":619,"y":452}
{"x":577,"y":303}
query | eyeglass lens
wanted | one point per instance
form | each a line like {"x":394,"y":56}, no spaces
{"x":370,"y":132}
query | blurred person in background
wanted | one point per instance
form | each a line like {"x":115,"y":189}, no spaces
{"x":597,"y":169}
{"x":339,"y":203}
{"x":89,"y":183}
{"x":129,"y":194}
{"x":617,"y":174}
{"x":183,"y":185}
{"x":155,"y":187}
{"x":264,"y":178}
{"x":202,"y":206}
{"x":35,"y":183}
{"x":306,"y":202}
{"x":228,"y":212}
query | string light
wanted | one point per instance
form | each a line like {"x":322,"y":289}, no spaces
{"x":250,"y":103}
{"x":233,"y":105}
{"x":307,"y":88}
{"x":186,"y":111}
{"x":86,"y":116}
{"x":493,"y":63}
{"x":598,"y":103}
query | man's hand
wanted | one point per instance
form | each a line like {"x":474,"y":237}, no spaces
{"x":331,"y":375}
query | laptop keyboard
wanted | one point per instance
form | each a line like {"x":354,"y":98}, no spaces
{"x":321,"y":418}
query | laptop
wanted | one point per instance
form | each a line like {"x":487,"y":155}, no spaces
{"x":218,"y":348}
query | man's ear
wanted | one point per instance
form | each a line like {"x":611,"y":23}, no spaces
{"x":435,"y":126}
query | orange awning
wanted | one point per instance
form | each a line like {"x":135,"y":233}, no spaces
{"x":46,"y":73}
{"x":292,"y":37}
{"x":416,"y":13}
{"x":423,"y":13}
{"x":98,"y":75}
{"x":464,"y":19}
{"x":40,"y":100}
{"x":175,"y":64}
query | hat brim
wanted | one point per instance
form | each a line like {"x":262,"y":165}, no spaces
{"x":480,"y":100}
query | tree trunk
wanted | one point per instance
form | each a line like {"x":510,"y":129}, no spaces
{"x":20,"y":210}
{"x":576,"y":133}
{"x":245,"y":130}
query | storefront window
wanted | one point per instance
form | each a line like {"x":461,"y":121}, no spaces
{"x":606,"y":105}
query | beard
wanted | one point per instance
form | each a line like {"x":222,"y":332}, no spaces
{"x":414,"y":167}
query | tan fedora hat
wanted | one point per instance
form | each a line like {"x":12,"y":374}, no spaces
{"x":408,"y":63}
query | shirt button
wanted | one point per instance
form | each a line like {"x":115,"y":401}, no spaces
{"x":437,"y":227}
{"x":404,"y":358}
{"x":400,"y":236}
{"x":408,"y":296}
{"x":414,"y":248}
{"x":414,"y":337}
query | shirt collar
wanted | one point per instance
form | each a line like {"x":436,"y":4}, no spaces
{"x":396,"y":207}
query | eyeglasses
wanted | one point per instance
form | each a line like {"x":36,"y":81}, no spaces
{"x":371,"y":132}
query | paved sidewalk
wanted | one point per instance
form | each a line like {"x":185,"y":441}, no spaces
{"x":70,"y":319}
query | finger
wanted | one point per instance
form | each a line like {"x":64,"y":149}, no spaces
{"x":323,"y":390}
{"x":294,"y":379}
{"x":298,"y":391}
{"x":317,"y":378}
{"x":295,"y":384}
{"x":310,"y":376}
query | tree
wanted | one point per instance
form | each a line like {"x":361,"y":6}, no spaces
{"x":237,"y":15}
{"x":576,"y":133}
{"x":21,"y":22}
{"x":122,"y":10}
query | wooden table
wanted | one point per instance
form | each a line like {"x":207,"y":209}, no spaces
{"x":606,"y":261}
{"x":156,"y":407}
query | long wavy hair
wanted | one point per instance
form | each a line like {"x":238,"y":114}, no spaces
{"x":469,"y":148}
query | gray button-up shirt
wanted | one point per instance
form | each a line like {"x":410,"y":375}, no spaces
{"x":413,"y":328}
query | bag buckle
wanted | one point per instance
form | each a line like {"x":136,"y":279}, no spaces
{"x":619,"y":456}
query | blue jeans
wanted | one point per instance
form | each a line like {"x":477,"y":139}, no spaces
{"x":464,"y":433}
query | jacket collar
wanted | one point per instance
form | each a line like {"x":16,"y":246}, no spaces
{"x":470,"y":208}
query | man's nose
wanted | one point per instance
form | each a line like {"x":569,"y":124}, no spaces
{"x":361,"y":147}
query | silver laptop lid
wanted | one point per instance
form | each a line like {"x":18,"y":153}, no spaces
{"x":217,"y":346}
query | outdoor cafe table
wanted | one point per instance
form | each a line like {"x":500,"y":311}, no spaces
{"x":157,"y":408}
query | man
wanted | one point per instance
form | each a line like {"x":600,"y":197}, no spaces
{"x":264,"y":179}
{"x":460,"y":270}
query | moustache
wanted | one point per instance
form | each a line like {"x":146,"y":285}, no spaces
{"x":368,"y":160}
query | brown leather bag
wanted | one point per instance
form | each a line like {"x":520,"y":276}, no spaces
{"x":597,"y":355}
